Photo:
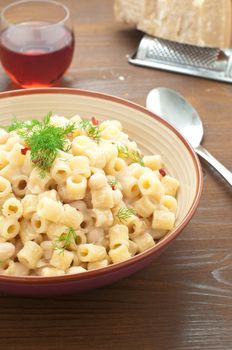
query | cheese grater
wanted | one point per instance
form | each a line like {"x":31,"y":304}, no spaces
{"x":204,"y":62}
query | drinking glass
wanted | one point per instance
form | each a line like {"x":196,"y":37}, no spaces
{"x":36,"y":42}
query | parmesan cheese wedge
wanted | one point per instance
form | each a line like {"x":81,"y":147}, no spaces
{"x":129,"y":11}
{"x":196,"y":22}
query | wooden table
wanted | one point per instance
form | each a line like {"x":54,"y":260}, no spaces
{"x":184,"y":299}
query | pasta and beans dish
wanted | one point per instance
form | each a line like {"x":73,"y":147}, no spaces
{"x":77,"y":195}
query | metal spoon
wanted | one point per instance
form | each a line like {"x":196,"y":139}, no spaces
{"x":173,"y":107}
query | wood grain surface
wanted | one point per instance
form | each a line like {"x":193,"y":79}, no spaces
{"x":183,"y":301}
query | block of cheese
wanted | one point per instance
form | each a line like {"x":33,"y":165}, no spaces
{"x":196,"y":22}
{"x":129,"y":11}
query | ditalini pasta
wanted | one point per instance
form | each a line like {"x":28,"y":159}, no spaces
{"x":77,"y":195}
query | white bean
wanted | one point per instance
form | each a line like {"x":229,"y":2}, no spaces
{"x":117,"y":196}
{"x":7,"y":249}
{"x":75,"y":269}
{"x":3,"y":136}
{"x":97,"y":181}
{"x":80,"y":205}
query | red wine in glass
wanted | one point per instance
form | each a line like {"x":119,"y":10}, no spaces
{"x":36,"y":54}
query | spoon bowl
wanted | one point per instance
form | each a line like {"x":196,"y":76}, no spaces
{"x":173,"y":107}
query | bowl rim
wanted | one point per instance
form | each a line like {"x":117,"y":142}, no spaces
{"x":41,"y":280}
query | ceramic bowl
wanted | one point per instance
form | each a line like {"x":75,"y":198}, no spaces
{"x":153,"y":135}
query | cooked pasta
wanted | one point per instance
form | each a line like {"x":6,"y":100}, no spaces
{"x":77,"y":195}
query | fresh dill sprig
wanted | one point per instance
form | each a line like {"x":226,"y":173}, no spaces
{"x":91,"y":130}
{"x":125,"y":152}
{"x":136,"y":157}
{"x":17,"y":125}
{"x":64,"y":241}
{"x":125,"y":213}
{"x":112,"y":181}
{"x":85,"y":124}
{"x":44,"y":140}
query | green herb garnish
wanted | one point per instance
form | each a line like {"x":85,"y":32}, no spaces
{"x":43,"y":139}
{"x":112,"y":181}
{"x":91,"y":130}
{"x":125,"y":213}
{"x":64,"y":241}
{"x":135,"y":156}
{"x":123,"y":151}
{"x":18,"y":124}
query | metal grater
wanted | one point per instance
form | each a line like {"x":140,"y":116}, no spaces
{"x":211,"y":63}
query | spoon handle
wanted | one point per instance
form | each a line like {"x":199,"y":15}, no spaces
{"x":221,"y":169}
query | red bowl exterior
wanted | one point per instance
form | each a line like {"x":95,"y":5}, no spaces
{"x":69,"y":284}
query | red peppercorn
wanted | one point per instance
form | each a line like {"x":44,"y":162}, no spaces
{"x":162,"y":172}
{"x":94,"y":121}
{"x":36,"y":161}
{"x":24,"y":150}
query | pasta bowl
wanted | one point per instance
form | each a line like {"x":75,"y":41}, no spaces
{"x":153,"y":136}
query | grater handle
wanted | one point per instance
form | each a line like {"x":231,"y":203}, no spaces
{"x":221,"y":169}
